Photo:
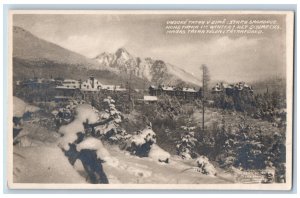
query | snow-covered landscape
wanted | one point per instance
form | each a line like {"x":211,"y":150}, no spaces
{"x":42,"y":156}
{"x":38,"y":156}
{"x":120,"y":101}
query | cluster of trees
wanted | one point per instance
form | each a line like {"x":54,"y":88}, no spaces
{"x":244,"y":147}
{"x":38,"y":94}
{"x":266,"y":106}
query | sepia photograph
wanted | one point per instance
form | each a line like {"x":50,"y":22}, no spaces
{"x":108,"y":99}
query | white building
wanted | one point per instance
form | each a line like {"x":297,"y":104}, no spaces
{"x":91,"y":84}
{"x":112,"y":88}
{"x":69,"y":84}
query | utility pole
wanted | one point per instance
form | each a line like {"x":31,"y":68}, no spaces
{"x":203,"y":98}
{"x":205,"y":79}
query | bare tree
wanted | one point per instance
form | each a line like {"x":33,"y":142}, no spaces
{"x":205,"y":80}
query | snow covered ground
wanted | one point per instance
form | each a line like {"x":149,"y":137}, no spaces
{"x":133,"y":169}
{"x":38,"y":158}
{"x":47,"y":164}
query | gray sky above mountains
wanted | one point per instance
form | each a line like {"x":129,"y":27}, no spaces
{"x":234,"y":57}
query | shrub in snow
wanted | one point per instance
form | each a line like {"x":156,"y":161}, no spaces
{"x":143,"y":144}
{"x":145,"y":136}
{"x":205,"y":167}
{"x":187,"y":143}
{"x":158,"y":154}
{"x":62,"y":116}
{"x":269,"y":175}
{"x":140,"y":143}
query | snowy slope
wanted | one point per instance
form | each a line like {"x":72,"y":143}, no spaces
{"x":182,"y":74}
{"x":33,"y":49}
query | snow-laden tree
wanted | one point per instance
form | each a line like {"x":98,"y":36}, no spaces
{"x":78,"y":143}
{"x":187,"y":143}
{"x":111,"y":131}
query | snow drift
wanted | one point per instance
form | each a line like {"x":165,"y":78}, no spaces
{"x":158,"y":154}
{"x":20,"y":107}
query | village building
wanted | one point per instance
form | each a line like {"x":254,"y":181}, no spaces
{"x":91,"y":84}
{"x":69,"y":84}
{"x":150,"y":99}
{"x":35,"y":83}
{"x":147,"y":100}
{"x":230,"y":89}
{"x":113,"y":88}
{"x":185,"y":92}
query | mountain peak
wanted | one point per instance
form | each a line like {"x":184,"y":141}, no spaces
{"x":122,"y":52}
{"x":122,"y":49}
{"x":103,"y":54}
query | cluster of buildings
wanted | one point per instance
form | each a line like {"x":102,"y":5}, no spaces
{"x":65,"y":88}
{"x":91,"y":84}
{"x":230,"y":89}
{"x":180,"y":92}
{"x":37,"y":82}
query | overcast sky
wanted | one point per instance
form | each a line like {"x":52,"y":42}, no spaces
{"x":228,"y":57}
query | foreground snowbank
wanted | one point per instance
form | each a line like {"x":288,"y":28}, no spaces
{"x":158,"y":154}
{"x":20,"y":107}
{"x":44,"y":164}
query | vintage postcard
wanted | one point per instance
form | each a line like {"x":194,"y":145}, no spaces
{"x":150,"y":99}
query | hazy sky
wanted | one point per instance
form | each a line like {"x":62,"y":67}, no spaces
{"x":228,"y":57}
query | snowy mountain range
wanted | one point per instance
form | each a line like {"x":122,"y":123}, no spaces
{"x":35,"y":56}
{"x":155,"y":71}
